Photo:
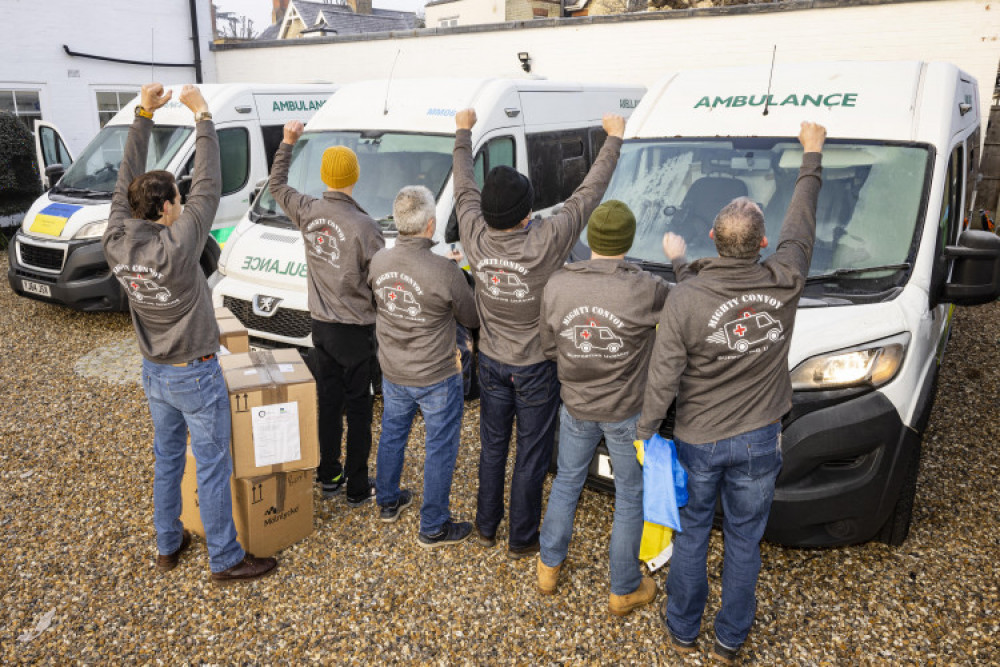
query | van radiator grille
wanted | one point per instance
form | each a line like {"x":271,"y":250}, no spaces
{"x":286,"y":322}
{"x":41,"y":257}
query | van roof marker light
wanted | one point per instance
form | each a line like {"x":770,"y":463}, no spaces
{"x":243,"y":108}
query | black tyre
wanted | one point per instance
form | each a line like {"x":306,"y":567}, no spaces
{"x":896,"y":528}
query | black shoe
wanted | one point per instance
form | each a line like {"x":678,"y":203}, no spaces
{"x":517,"y":553}
{"x":484,"y":539}
{"x":680,"y":645}
{"x":333,"y":488}
{"x":391,"y":511}
{"x":452,"y":533}
{"x":723,"y":653}
{"x":358,"y":501}
{"x":248,"y":568}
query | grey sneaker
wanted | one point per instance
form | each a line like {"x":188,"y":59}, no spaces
{"x":391,"y":511}
{"x":723,"y":653}
{"x":451,"y":533}
{"x":334,"y":487}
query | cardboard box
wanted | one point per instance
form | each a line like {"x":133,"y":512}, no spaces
{"x":270,"y":512}
{"x":272,"y":401}
{"x":232,"y":334}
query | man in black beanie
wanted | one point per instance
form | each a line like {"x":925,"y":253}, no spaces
{"x":511,"y":262}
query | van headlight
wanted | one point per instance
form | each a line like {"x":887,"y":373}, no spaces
{"x":92,"y":230}
{"x":872,"y":364}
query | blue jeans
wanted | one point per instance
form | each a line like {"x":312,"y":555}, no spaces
{"x":441,"y":405}
{"x":193,"y":399}
{"x":743,"y":468}
{"x":577,"y":442}
{"x":531,"y":393}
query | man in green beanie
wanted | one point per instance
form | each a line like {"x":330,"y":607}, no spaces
{"x":598,"y":323}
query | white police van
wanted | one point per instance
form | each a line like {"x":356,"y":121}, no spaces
{"x":56,"y":256}
{"x":892,"y":258}
{"x":403,"y":132}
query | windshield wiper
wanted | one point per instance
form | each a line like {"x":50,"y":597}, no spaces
{"x":267,"y":216}
{"x":79,"y":192}
{"x":840,"y":273}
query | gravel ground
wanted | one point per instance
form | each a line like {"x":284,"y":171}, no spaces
{"x":77,"y":546}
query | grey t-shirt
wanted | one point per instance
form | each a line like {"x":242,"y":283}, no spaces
{"x":511,"y":267}
{"x":722,"y":345}
{"x":419,"y":296}
{"x":158,"y":265}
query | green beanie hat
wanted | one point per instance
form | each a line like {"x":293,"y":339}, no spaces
{"x":611,"y":228}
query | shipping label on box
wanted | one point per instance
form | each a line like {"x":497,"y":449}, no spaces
{"x":271,"y":394}
{"x":270,"y":512}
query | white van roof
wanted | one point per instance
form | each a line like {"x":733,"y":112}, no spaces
{"x":894,"y":101}
{"x":430,"y":104}
{"x":268,"y":102}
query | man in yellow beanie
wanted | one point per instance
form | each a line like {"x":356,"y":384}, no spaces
{"x":340,"y":240}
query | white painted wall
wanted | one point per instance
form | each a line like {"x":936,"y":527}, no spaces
{"x":964,"y":32}
{"x":32,"y":34}
{"x":469,"y":12}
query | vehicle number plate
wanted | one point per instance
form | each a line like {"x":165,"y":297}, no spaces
{"x":604,"y":466}
{"x":41,"y":289}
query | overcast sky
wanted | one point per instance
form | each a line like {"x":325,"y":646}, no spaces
{"x":259,"y":11}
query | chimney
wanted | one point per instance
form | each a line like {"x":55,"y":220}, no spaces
{"x":360,"y":6}
{"x":278,"y":8}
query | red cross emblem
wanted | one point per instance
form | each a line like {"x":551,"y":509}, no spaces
{"x":134,"y":286}
{"x":739,"y":330}
{"x":747,"y":313}
{"x":585,"y":334}
{"x":392,"y":295}
{"x":495,"y":280}
{"x":319,"y":240}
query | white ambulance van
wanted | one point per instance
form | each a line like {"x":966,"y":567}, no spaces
{"x":57,"y":257}
{"x":892,"y":258}
{"x":403,"y":132}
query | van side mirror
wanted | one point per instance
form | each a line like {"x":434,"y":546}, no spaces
{"x":54,"y":172}
{"x":184,"y":186}
{"x":975,"y":277}
{"x":257,"y":187}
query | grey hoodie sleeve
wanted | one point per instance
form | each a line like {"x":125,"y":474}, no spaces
{"x":567,"y":225}
{"x":468,"y":199}
{"x":665,"y":369}
{"x":289,"y":199}
{"x":545,"y":334}
{"x":133,"y":165}
{"x":191,"y":229}
{"x":463,"y":302}
{"x":798,"y":232}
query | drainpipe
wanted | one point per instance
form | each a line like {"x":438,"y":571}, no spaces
{"x":196,"y":40}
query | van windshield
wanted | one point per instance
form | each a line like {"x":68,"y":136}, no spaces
{"x":95,"y":172}
{"x":868,"y":207}
{"x":388,"y":162}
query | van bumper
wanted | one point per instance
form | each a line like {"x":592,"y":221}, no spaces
{"x":843,"y":468}
{"x":75,"y":272}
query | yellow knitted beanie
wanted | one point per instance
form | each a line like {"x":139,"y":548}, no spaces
{"x":340,"y":167}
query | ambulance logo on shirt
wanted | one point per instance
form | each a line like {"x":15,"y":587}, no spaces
{"x":503,"y":280}
{"x":592,"y":331}
{"x":747,"y":329}
{"x":398,"y":295}
{"x":323,"y":239}
{"x":142,"y":285}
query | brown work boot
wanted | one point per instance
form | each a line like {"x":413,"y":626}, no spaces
{"x":548,"y":577}
{"x":167,"y":562}
{"x":623,"y":604}
{"x":250,"y":567}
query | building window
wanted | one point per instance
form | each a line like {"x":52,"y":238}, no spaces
{"x":110,"y":102}
{"x":448,"y":22}
{"x":22,"y":103}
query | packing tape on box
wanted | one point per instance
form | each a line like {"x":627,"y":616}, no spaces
{"x":271,"y":374}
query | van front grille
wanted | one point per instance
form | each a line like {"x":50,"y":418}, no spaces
{"x":45,"y":258}
{"x":286,"y":322}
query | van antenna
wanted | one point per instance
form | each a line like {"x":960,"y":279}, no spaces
{"x":385,"y":107}
{"x":767,"y":99}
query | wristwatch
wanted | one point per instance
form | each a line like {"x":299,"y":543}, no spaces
{"x":202,"y":115}
{"x":141,"y":112}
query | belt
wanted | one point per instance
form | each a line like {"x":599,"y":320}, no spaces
{"x":207,"y":357}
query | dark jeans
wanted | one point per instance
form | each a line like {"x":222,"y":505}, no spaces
{"x":345,"y":355}
{"x":531,"y":393}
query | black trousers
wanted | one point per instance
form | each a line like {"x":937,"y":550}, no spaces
{"x":345,"y":357}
